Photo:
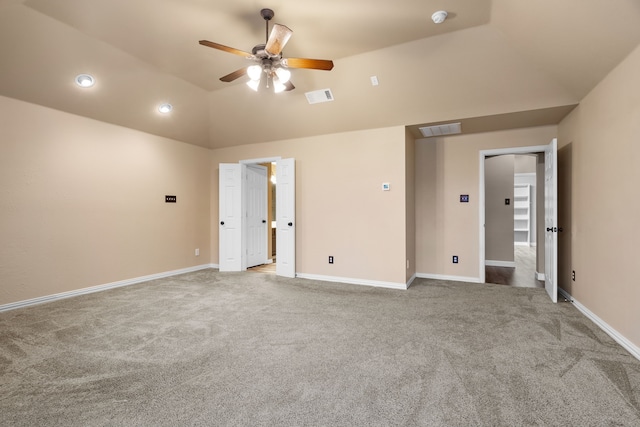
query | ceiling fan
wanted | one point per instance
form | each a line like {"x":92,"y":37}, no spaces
{"x":268,"y":59}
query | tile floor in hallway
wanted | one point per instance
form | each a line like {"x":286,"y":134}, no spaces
{"x":524,"y":273}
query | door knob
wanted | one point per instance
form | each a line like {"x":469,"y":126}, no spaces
{"x":264,"y":221}
{"x":221,"y":222}
{"x":290,"y":224}
{"x":549,"y":229}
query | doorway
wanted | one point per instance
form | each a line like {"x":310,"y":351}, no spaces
{"x":269,"y":263}
{"x":512,"y":182}
{"x":550,"y":211}
{"x":244,"y":213}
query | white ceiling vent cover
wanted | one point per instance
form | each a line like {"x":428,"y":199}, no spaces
{"x":439,"y":130}
{"x":318,"y":96}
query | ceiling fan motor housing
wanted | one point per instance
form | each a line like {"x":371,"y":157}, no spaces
{"x":267,"y":14}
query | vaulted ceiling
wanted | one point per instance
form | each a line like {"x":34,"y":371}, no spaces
{"x":493,"y":63}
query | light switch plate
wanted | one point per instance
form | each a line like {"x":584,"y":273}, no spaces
{"x":386,"y":186}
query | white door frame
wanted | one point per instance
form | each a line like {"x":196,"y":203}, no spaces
{"x":483,"y":155}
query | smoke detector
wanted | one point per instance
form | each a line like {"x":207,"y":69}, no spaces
{"x":439,"y":17}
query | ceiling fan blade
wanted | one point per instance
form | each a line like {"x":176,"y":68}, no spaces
{"x":225,"y":48}
{"x":289,"y":86}
{"x":235,"y":75}
{"x":314,"y":64}
{"x":279,"y":37}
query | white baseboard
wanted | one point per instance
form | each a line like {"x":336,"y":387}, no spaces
{"x":539,"y":276}
{"x":619,"y":338}
{"x":351,"y":281}
{"x":98,"y":288}
{"x":446,"y":277}
{"x":410,"y":281}
{"x":493,"y":263}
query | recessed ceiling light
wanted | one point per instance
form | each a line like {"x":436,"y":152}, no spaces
{"x":85,"y":80}
{"x":439,"y":17}
{"x":165,"y":108}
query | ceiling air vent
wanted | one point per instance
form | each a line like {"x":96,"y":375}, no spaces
{"x":317,"y":96}
{"x":439,"y":130}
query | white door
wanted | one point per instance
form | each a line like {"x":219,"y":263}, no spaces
{"x":551,"y":220}
{"x":256,"y":219}
{"x":285,"y":218}
{"x":230,"y":217}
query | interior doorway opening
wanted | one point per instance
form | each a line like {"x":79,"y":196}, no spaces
{"x":269,"y":266}
{"x":514,"y":184}
{"x":245,"y":225}
{"x":550,"y":224}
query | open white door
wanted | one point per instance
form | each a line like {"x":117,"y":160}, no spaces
{"x":551,"y":220}
{"x":230,"y":217}
{"x":285,"y":218}
{"x":256,"y":219}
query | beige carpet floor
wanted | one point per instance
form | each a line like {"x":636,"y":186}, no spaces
{"x":229,"y":349}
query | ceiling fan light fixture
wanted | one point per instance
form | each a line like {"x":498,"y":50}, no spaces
{"x":254,"y":72}
{"x":283,"y":74}
{"x":270,"y":60}
{"x":254,"y":84}
{"x":278,"y":86}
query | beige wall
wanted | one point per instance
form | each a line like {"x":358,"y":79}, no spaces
{"x":524,"y":163}
{"x":498,"y":184}
{"x":341,"y":209}
{"x":444,"y":226}
{"x":427,"y":187}
{"x":598,"y":162}
{"x":82,"y":203}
